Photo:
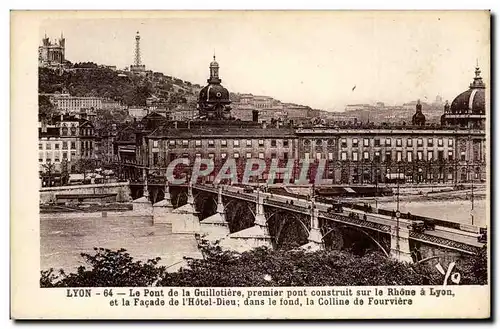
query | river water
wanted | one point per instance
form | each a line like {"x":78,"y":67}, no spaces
{"x":62,"y":240}
{"x":458,"y":211}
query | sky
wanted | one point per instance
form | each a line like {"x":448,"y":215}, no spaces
{"x":312,"y":58}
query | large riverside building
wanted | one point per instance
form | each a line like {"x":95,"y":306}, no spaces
{"x":354,"y":154}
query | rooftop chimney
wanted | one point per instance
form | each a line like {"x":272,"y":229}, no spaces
{"x":255,"y":115}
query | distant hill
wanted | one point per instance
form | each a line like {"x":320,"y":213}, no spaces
{"x":100,"y":82}
{"x":90,"y":79}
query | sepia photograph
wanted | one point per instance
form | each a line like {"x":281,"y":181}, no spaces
{"x":258,"y":159}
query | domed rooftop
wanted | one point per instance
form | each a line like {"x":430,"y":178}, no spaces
{"x":214,"y":63}
{"x":469,"y":108}
{"x":214,"y":93}
{"x":471,"y":101}
{"x":213,"y":100}
{"x":418,"y":118}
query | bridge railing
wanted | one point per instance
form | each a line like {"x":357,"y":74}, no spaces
{"x":444,"y":242}
{"x":408,"y":216}
{"x":286,"y":205}
{"x":356,"y":221}
{"x":205,"y":188}
{"x":240,"y":195}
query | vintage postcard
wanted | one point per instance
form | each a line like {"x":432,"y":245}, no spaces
{"x":250,"y":164}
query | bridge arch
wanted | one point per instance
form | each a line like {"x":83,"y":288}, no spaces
{"x":360,"y":230}
{"x":278,"y":230}
{"x":226,"y":206}
{"x":239,"y":215}
{"x":205,"y":204}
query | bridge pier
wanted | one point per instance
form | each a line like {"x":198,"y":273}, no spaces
{"x":252,"y":237}
{"x":400,"y":244}
{"x":186,"y":217}
{"x":215,"y":227}
{"x":162,"y":210}
{"x":145,"y":192}
{"x":142,"y":206}
{"x":315,"y":237}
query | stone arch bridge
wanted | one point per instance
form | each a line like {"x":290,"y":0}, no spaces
{"x":240,"y":221}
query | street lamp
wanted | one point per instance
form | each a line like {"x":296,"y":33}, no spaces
{"x":397,"y":180}
{"x":470,"y":166}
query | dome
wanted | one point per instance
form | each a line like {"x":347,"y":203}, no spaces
{"x":213,"y":100}
{"x":471,"y":101}
{"x":418,"y":119}
{"x":469,"y":108}
{"x":214,"y":63}
{"x":214,"y":93}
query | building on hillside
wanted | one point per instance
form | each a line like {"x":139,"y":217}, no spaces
{"x":74,"y":104}
{"x":52,"y":53}
{"x":110,"y":105}
{"x":137,"y":112}
{"x":358,"y":107}
{"x":181,"y":114}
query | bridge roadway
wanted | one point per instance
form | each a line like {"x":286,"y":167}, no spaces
{"x":441,"y":236}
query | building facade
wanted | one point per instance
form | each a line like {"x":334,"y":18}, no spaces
{"x":372,"y":156}
{"x":52,"y":53}
{"x":352,"y":153}
{"x":75,"y":104}
{"x":66,"y":139}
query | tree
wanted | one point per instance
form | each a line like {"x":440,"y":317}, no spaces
{"x":45,"y":108}
{"x":260,"y":267}
{"x":108,"y":269}
{"x":85,"y":166}
{"x":49,"y":168}
{"x":64,"y":172}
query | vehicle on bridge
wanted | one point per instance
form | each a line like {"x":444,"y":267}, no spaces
{"x":421,"y":226}
{"x":248,"y":189}
{"x":417,"y":226}
{"x":335,"y":208}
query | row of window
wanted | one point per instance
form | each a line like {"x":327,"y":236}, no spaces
{"x":399,"y":156}
{"x":235,"y":155}
{"x":48,"y":156}
{"x":48,"y":145}
{"x":63,"y":102}
{"x":83,"y":131}
{"x":223,"y":143}
{"x":399,"y":142}
{"x":388,"y":156}
{"x":377,"y":157}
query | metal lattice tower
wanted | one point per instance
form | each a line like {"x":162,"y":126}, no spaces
{"x":137,"y":59}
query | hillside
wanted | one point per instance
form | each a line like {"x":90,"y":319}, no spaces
{"x":90,"y":79}
{"x":103,"y":82}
